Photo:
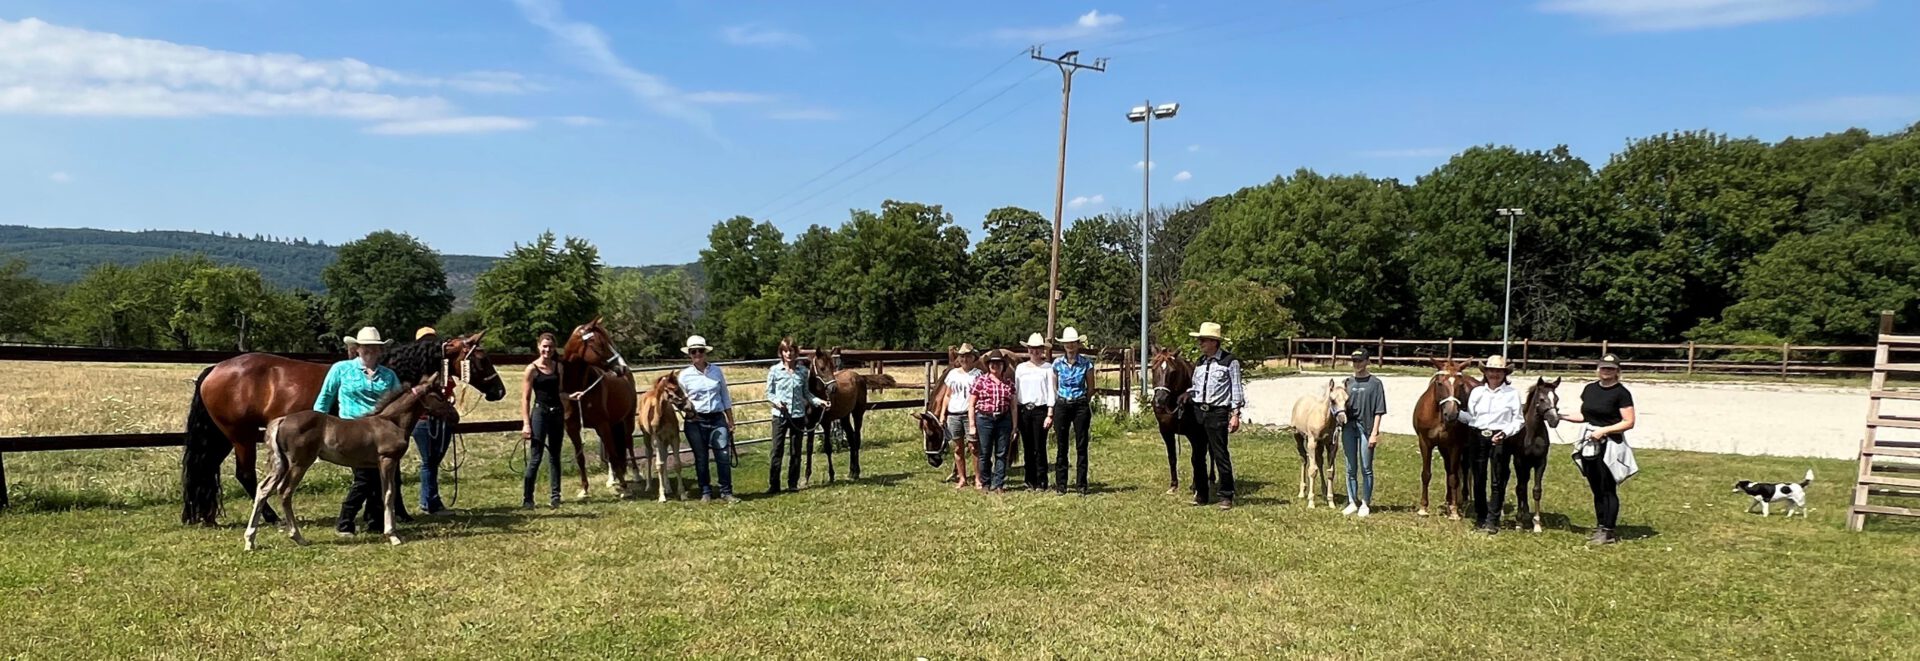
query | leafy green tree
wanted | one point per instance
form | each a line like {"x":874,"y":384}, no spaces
{"x":1172,"y":231}
{"x":648,"y":314}
{"x":1007,"y":298}
{"x":811,"y":293}
{"x":539,"y":287}
{"x":1828,"y":287}
{"x":29,"y":302}
{"x":387,"y":280}
{"x":1100,"y":279}
{"x":134,"y":306}
{"x":1255,"y":322}
{"x":1015,"y":239}
{"x":740,"y":260}
{"x":220,"y":306}
{"x":1878,"y":182}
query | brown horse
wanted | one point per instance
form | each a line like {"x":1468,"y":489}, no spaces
{"x":846,"y":397}
{"x":1436,"y":420}
{"x":659,"y":419}
{"x":234,"y":399}
{"x":1172,"y":376}
{"x":591,"y":367}
{"x":1540,"y":414}
{"x":294,"y":441}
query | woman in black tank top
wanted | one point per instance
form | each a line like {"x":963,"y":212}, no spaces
{"x":1606,"y":407}
{"x":542,"y":421}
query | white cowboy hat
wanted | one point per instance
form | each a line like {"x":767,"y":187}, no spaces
{"x":1495,"y":363}
{"x":966,"y":349}
{"x":1071,"y":335}
{"x":1209,"y":330}
{"x":367,"y":335}
{"x":1035,"y":341}
{"x":695,"y":342}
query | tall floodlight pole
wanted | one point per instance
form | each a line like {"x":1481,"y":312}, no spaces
{"x":1069,"y":62}
{"x":1506,"y":325}
{"x":1144,"y":115}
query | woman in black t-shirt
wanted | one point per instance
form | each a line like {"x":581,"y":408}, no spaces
{"x":1606,"y":407}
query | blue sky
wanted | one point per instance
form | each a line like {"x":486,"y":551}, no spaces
{"x":477,"y":123}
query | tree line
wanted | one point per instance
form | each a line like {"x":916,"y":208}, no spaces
{"x":1686,"y":235}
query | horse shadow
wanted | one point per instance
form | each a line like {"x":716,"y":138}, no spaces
{"x":1627,"y":533}
{"x":1098,"y":488}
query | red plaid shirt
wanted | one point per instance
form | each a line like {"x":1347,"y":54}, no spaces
{"x":991,"y":395}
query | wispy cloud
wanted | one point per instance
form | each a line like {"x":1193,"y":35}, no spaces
{"x":1089,"y":24}
{"x":1183,"y":176}
{"x":805,"y":115}
{"x":60,"y":178}
{"x":48,"y":69}
{"x":728,"y":98}
{"x":1414,"y":152}
{"x":754,"y":34}
{"x":1193,"y":148}
{"x":580,"y":120}
{"x":1668,"y":15}
{"x":1138,"y":165}
{"x":1083,"y":201}
{"x":591,"y":49}
{"x":445,"y":125}
{"x":1846,"y":109}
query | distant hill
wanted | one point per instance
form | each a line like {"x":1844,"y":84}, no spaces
{"x":63,"y":255}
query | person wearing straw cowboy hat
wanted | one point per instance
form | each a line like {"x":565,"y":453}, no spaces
{"x":433,"y":436}
{"x":954,"y":392}
{"x":1493,"y":409}
{"x":1214,"y":402}
{"x":352,"y":389}
{"x":1034,"y":388}
{"x":1072,"y":409}
{"x":709,"y":427}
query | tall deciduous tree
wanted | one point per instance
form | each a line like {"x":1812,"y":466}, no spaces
{"x":1255,"y":322}
{"x":740,"y":260}
{"x":539,"y":287}
{"x":388,"y":280}
{"x":29,"y":302}
{"x":648,"y":314}
{"x":1827,"y":287}
{"x":1100,"y":278}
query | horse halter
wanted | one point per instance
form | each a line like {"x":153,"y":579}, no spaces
{"x":1451,"y":376}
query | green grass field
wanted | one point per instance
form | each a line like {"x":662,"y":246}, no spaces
{"x":94,"y":564}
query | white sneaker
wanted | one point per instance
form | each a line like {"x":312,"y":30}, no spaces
{"x":1364,"y":510}
{"x":1351,"y":508}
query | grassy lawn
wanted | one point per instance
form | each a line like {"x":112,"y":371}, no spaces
{"x":93,"y":564}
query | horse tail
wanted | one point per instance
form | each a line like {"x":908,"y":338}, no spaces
{"x":206,"y":447}
{"x":880,"y":381}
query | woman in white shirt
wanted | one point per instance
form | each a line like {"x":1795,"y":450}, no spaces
{"x":1493,"y":410}
{"x":953,"y":409}
{"x":1033,"y":390}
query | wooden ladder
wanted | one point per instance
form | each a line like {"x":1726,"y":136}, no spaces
{"x":1887,"y":479}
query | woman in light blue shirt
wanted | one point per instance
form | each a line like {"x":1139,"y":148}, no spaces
{"x":352,"y":389}
{"x":788,"y":394}
{"x":709,"y":426}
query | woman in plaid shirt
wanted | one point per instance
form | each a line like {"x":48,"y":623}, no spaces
{"x":990,"y":410}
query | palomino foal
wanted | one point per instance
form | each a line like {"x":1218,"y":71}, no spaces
{"x":1313,"y":432}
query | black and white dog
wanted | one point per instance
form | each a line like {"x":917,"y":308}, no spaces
{"x":1766,"y":493}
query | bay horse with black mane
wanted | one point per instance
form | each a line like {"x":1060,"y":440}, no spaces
{"x":846,"y":397}
{"x":1540,"y":414}
{"x":592,"y":368}
{"x":234,"y":399}
{"x":1436,"y":420}
{"x":1172,"y":376}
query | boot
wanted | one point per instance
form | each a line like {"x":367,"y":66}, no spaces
{"x":1600,"y":536}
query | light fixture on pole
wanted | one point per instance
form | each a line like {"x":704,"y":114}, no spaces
{"x":1144,"y":115}
{"x":1506,"y":324}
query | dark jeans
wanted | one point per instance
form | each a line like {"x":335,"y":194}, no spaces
{"x":1483,"y":455}
{"x":1070,"y":418}
{"x":996,"y":435}
{"x":708,"y":435}
{"x":1606,"y":494}
{"x":1033,"y":444}
{"x":432,"y":437}
{"x":549,"y":426}
{"x":364,"y":493}
{"x":1210,"y":447}
{"x":786,"y":432}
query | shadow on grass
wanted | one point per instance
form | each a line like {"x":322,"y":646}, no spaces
{"x":65,"y":500}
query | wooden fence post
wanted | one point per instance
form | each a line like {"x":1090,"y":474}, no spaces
{"x":1786,"y":350}
{"x":1690,"y":352}
{"x":927,"y":386}
{"x":1526,"y":346}
{"x":1333,"y":354}
{"x":1126,"y":383}
{"x":1449,"y":348}
{"x":1293,"y":359}
{"x":1381,"y":351}
{"x":1603,"y":348}
{"x":3,"y":480}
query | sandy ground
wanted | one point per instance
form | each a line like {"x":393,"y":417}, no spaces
{"x":1736,"y":418}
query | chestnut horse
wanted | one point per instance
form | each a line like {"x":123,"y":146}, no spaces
{"x":659,"y":419}
{"x":1172,"y":376}
{"x":1540,"y":414}
{"x":1436,"y":420}
{"x":590,"y":365}
{"x":234,"y":399}
{"x":846,"y":396}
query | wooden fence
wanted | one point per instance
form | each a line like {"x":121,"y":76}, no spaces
{"x":1540,"y":355}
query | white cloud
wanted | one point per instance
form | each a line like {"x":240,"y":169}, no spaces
{"x":1668,"y":15}
{"x":1412,"y":152}
{"x":1089,"y":24}
{"x":1193,"y":148}
{"x":491,"y":82}
{"x":805,"y":115}
{"x":727,"y":98}
{"x":580,"y":120}
{"x":1183,"y":176}
{"x":1857,"y":109}
{"x":1083,"y":200}
{"x":60,"y":178}
{"x":1137,"y":165}
{"x":763,"y":36}
{"x":444,"y":125}
{"x":592,"y":50}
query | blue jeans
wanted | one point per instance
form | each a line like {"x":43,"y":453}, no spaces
{"x":549,"y":426}
{"x":1353,"y":440}
{"x":432,"y":437}
{"x":709,"y":436}
{"x":995,"y":431}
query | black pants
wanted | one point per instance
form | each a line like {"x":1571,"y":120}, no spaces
{"x":1070,"y":418}
{"x":1486,"y":459}
{"x":1606,"y":492}
{"x":365,"y":493}
{"x":549,"y":425}
{"x":1033,"y":444}
{"x":787,"y":433}
{"x":1210,"y":447}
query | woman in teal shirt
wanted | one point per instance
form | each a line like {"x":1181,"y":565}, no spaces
{"x":790,"y":398}
{"x":352,"y":389}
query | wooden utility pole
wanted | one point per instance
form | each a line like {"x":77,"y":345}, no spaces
{"x":1069,"y":62}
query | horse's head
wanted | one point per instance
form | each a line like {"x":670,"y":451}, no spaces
{"x":472,"y":365}
{"x":668,"y":385}
{"x":438,"y":407}
{"x":933,"y":437}
{"x":1450,"y":386}
{"x":1336,"y":396}
{"x":1171,"y":376}
{"x":1543,"y":402}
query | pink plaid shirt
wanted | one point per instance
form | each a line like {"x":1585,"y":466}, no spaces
{"x":991,"y":395}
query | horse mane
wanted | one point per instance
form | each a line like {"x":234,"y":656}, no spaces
{"x":413,"y":360}
{"x":389,"y":399}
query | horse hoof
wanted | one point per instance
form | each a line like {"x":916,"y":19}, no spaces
{"x":298,"y":539}
{"x":1454,"y":516}
{"x":393,"y":539}
{"x":249,"y":544}
{"x":1420,"y":512}
{"x":1536,"y":528}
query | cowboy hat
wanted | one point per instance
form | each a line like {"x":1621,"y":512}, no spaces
{"x":695,"y":342}
{"x":966,"y":349}
{"x":367,"y":335}
{"x":1495,"y":362}
{"x":424,"y":332}
{"x":1071,"y":335}
{"x":1209,"y":331}
{"x":997,"y":355}
{"x":1035,"y":341}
